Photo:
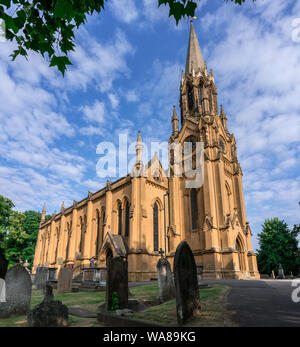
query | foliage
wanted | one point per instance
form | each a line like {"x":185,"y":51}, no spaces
{"x":114,"y":301}
{"x":16,"y":238}
{"x":47,"y":26}
{"x":181,"y":8}
{"x":18,"y":232}
{"x":31,"y":227}
{"x":278,"y":244}
{"x":6,"y":206}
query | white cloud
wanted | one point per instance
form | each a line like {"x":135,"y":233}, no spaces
{"x":124,"y":10}
{"x":94,"y":113}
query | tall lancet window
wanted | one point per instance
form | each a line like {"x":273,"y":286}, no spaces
{"x":98,"y":233}
{"x":194,"y":208}
{"x":200,"y":93}
{"x":191,"y":98}
{"x":83,"y":230}
{"x":127,"y":210}
{"x":103,"y":223}
{"x":120,"y":219}
{"x":155,"y":227}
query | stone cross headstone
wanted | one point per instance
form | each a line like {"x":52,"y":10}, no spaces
{"x":165,"y":280}
{"x":64,"y":282}
{"x":49,"y":313}
{"x":117,"y":283}
{"x":3,"y":266}
{"x":186,"y":283}
{"x":18,"y":292}
{"x":41,"y":277}
{"x":280,"y":272}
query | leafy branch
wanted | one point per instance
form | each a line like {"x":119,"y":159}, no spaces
{"x":47,"y":26}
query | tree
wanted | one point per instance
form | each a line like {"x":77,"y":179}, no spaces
{"x":16,"y":239}
{"x":278,"y":244}
{"x":47,"y":26}
{"x":31,"y":227}
{"x":6,"y":211}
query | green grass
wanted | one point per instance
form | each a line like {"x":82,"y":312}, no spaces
{"x":212,"y":313}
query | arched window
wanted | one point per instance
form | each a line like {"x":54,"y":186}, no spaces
{"x":155,"y":227}
{"x":190,"y":99}
{"x":127,"y":211}
{"x":194,"y":208}
{"x":119,"y":219}
{"x":83,"y":230}
{"x":98,"y":233}
{"x":228,"y":197}
{"x":69,"y":234}
{"x":200,"y":93}
{"x":103,"y":223}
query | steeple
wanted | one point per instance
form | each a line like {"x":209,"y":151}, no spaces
{"x":194,"y":60}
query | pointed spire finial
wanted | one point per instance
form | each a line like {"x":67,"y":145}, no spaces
{"x":174,"y":116}
{"x":43,"y":217}
{"x":194,"y":56}
{"x":139,"y":139}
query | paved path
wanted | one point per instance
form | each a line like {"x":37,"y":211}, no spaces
{"x":262,"y":303}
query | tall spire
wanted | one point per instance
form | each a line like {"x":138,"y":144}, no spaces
{"x":194,"y":60}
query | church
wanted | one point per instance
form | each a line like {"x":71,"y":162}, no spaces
{"x":140,"y":216}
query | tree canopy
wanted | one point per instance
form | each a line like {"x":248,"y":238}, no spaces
{"x":18,"y":232}
{"x":47,"y":26}
{"x":278,"y":244}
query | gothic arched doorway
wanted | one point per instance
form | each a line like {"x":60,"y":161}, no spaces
{"x":109,"y":256}
{"x":239,"y":249}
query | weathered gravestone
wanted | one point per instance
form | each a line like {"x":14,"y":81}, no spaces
{"x":186,"y":283}
{"x":48,"y":313}
{"x":64,"y":283}
{"x":41,"y":277}
{"x":165,"y":279}
{"x":18,"y":292}
{"x":3,"y":266}
{"x":117,"y":284}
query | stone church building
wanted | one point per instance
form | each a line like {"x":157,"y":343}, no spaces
{"x":138,"y":215}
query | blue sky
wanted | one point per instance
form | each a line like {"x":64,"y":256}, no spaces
{"x":126,"y":77}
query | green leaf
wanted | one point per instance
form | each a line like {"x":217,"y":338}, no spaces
{"x":61,"y":63}
{"x":63,"y":9}
{"x":5,"y":3}
{"x":176,"y":10}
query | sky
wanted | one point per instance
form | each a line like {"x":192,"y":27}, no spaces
{"x":126,"y":76}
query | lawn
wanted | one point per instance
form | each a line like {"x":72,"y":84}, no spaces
{"x":212,"y":307}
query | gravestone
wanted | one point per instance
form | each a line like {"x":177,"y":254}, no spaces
{"x":49,"y":313}
{"x":18,"y":292}
{"x":280,"y":272}
{"x":165,"y":279}
{"x":186,"y":283}
{"x":2,"y":290}
{"x":3,"y":266}
{"x":41,"y":277}
{"x":273,"y":274}
{"x":117,"y":283}
{"x":64,"y":283}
